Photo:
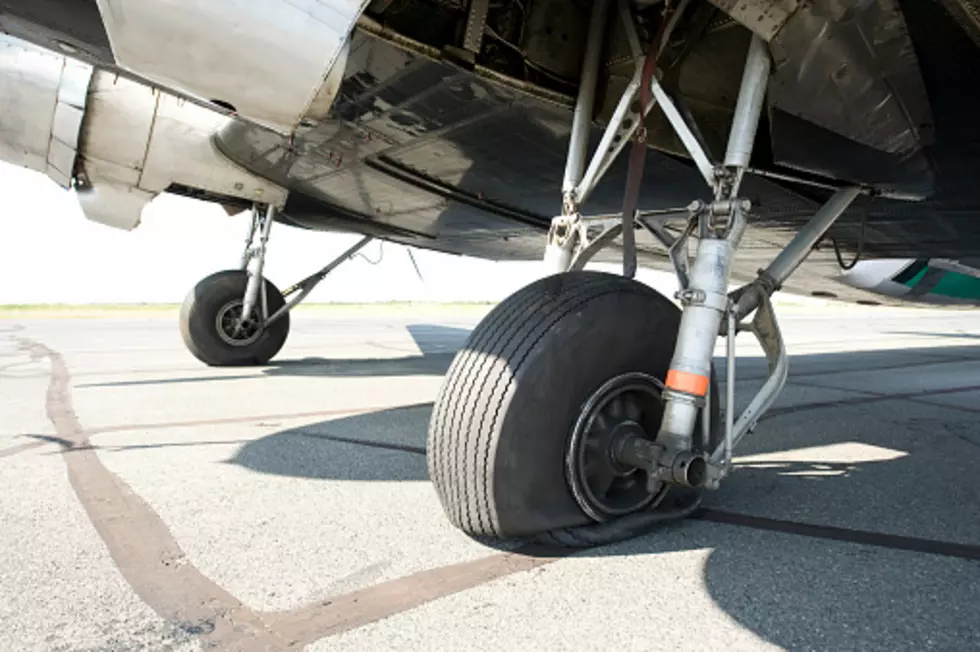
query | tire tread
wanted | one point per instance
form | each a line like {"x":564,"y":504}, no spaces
{"x":477,"y":386}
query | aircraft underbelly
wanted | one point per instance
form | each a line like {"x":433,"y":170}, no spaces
{"x":383,"y":135}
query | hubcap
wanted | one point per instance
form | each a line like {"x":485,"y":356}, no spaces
{"x":605,"y":488}
{"x":232,"y":330}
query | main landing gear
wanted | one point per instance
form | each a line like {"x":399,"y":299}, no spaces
{"x":237,"y":317}
{"x":584,"y":400}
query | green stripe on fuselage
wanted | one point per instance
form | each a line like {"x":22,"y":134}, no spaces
{"x":958,"y":286}
{"x":952,"y":284}
{"x":918,"y":277}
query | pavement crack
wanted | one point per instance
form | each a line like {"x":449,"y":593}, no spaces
{"x":358,"y":608}
{"x":21,"y":448}
{"x":159,"y":572}
{"x":847,"y":535}
{"x":138,"y":540}
{"x":868,"y":396}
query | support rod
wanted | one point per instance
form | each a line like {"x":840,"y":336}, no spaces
{"x":476,"y":23}
{"x":799,"y":247}
{"x":751,"y":95}
{"x":793,"y":255}
{"x":582,"y":119}
{"x":608,"y":149}
{"x":706,"y":299}
{"x":301,"y":290}
{"x":255,"y":279}
{"x":766,"y":330}
{"x":683,"y":131}
{"x":730,"y":392}
{"x":253,"y":224}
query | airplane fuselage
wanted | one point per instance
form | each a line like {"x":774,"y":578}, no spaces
{"x":348,"y":117}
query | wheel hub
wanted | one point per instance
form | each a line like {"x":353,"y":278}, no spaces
{"x":232,"y":330}
{"x":605,"y":487}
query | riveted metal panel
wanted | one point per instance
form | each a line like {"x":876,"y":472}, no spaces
{"x":967,"y":14}
{"x":43,"y":103}
{"x":854,"y":71}
{"x":764,"y":17}
{"x":29,"y":79}
{"x":67,"y":123}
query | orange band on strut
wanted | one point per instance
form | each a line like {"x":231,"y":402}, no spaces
{"x":684,"y":381}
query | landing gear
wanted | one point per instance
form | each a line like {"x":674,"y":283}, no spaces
{"x":214,"y":331}
{"x":552,"y":382}
{"x":238,"y":317}
{"x":580,"y":402}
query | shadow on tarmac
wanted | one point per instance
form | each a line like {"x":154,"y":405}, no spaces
{"x":437,"y":345}
{"x":886,"y":465}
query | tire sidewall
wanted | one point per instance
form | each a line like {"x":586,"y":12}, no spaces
{"x":629,"y":328}
{"x":199,"y":328}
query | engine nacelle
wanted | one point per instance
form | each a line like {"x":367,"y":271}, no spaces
{"x":119,"y":143}
{"x":136,"y":142}
{"x":44,"y":97}
{"x":276,"y":62}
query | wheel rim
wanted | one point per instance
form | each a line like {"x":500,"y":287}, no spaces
{"x":604,"y":487}
{"x":232,"y":330}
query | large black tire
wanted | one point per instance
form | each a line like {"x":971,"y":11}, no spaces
{"x":502,"y":421}
{"x":199,"y":322}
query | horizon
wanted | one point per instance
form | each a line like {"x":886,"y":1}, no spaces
{"x":68,"y":260}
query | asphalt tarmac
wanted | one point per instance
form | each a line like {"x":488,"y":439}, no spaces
{"x":150,"y":502}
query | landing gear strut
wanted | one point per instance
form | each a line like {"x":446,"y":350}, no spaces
{"x":238,"y":317}
{"x":581,"y":401}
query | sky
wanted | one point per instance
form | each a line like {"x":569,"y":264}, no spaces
{"x":52,"y":254}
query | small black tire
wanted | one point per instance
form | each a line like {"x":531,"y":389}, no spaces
{"x":199,"y":327}
{"x":506,"y":409}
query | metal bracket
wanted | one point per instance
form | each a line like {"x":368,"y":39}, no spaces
{"x":622,"y":126}
{"x":713,"y":300}
{"x":570,"y":246}
{"x":594,"y":246}
{"x":476,"y":23}
{"x":563,"y":242}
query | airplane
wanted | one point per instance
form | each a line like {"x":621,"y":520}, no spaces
{"x":824,"y":148}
